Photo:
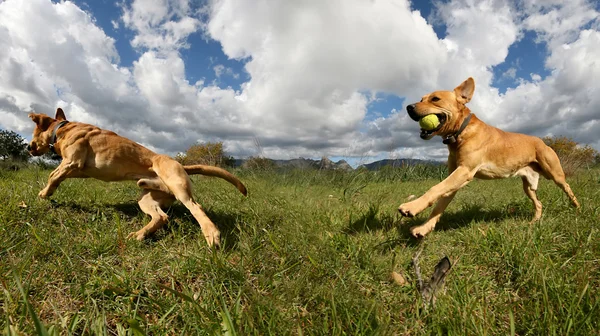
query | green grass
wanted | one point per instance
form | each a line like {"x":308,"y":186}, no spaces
{"x":307,"y":253}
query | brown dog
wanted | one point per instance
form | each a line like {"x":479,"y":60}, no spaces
{"x":479,"y":150}
{"x":88,"y":151}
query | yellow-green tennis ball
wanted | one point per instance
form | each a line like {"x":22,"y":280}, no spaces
{"x":429,"y":122}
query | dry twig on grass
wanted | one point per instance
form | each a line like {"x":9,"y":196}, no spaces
{"x":428,"y":289}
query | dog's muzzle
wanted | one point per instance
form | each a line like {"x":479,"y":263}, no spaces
{"x":425,"y":134}
{"x":412,"y":112}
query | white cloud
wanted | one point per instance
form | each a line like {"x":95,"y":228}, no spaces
{"x":221,"y":70}
{"x":313,"y":68}
{"x":558,"y":21}
{"x":160,"y":24}
{"x":510,"y":73}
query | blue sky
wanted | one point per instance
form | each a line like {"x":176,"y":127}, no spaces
{"x":289,"y":79}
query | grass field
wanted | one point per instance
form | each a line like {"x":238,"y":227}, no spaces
{"x":307,"y":253}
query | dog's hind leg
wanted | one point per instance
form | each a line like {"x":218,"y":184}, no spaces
{"x":434,"y":217}
{"x":173,"y":175}
{"x":550,"y":164}
{"x":530,"y":183}
{"x":153,"y":184}
{"x":151,"y":202}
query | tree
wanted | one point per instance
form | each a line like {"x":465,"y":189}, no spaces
{"x":209,"y":153}
{"x":572,"y":155}
{"x":12,"y":146}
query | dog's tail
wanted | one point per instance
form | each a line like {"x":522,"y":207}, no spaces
{"x":216,"y":172}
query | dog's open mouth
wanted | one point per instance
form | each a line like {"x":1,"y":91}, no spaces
{"x":428,"y":134}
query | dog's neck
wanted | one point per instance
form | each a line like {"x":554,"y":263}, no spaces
{"x":53,"y":137}
{"x":453,"y":138}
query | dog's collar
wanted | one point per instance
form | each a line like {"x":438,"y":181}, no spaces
{"x":53,"y":137}
{"x":453,"y":137}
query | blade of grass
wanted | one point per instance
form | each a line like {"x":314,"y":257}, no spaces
{"x":39,"y":326}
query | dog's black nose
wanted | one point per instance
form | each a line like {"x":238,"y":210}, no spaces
{"x":412,"y":113}
{"x":28,"y":147}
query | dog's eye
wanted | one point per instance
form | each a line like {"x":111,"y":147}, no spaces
{"x":434,"y":99}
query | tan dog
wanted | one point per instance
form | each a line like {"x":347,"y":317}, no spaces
{"x":479,"y":150}
{"x":88,"y":151}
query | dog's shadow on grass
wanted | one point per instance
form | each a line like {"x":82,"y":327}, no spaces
{"x":476,"y":213}
{"x":54,"y":204}
{"x":372,"y":220}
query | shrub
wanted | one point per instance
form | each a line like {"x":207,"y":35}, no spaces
{"x":209,"y":153}
{"x":572,"y":155}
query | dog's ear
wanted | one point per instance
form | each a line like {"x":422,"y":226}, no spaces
{"x":42,"y":121}
{"x":464,"y":92}
{"x":60,"y":115}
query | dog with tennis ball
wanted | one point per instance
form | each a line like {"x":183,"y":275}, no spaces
{"x":477,"y":150}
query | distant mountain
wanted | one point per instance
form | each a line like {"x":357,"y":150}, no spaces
{"x":300,"y":163}
{"x":327,"y":164}
{"x":324,"y":164}
{"x":398,"y":163}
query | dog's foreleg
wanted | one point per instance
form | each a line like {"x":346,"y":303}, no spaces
{"x":434,"y":217}
{"x":63,"y":171}
{"x":71,"y":165}
{"x":459,"y":178}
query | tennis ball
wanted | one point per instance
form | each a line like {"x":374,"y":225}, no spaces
{"x":429,"y":122}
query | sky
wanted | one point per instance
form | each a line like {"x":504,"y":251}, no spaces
{"x":306,"y":78}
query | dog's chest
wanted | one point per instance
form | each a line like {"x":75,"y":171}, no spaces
{"x":490,"y":171}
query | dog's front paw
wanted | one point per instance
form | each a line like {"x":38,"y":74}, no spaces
{"x":409,"y":209}
{"x":44,"y":193}
{"x":420,"y":231}
{"x":213,"y":239}
{"x":138,"y":235}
